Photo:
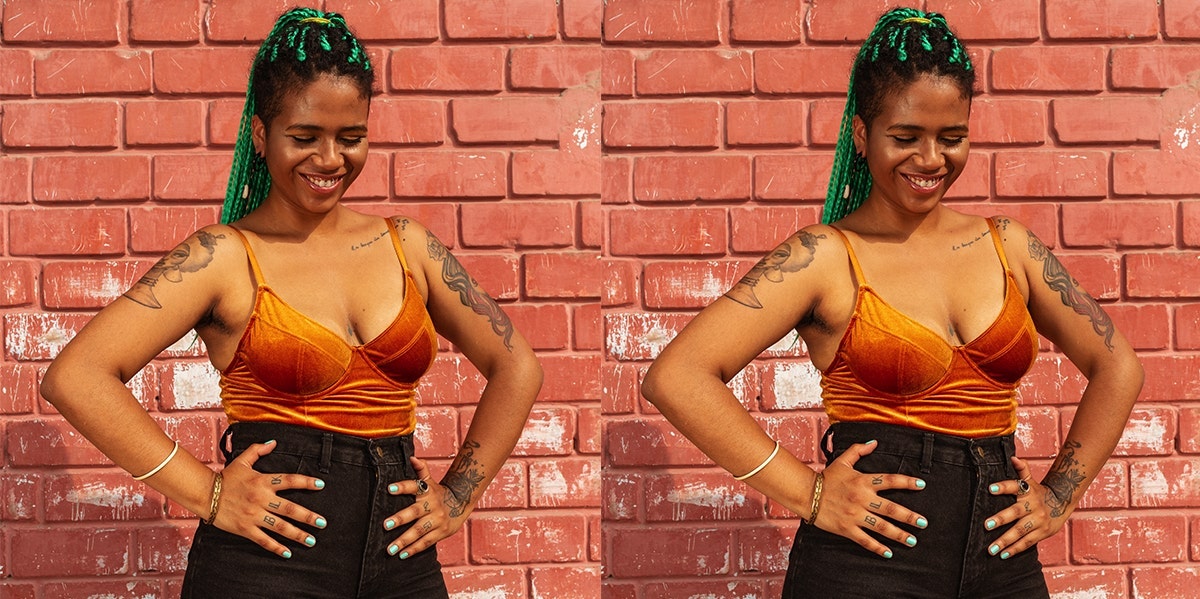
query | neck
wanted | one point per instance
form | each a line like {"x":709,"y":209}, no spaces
{"x":275,"y":218}
{"x":880,"y":219}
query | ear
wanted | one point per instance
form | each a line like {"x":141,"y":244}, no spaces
{"x":258,"y":134}
{"x":859,"y":132}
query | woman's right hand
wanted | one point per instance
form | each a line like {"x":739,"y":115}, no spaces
{"x":851,"y":505}
{"x":250,"y":505}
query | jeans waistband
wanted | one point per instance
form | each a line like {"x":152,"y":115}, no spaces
{"x":930,"y":446}
{"x":330,"y":446}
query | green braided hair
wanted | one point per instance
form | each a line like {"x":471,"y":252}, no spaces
{"x":905,"y":44}
{"x":303,"y":45}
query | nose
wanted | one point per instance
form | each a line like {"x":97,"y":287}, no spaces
{"x":328,"y":156}
{"x":929,"y":156}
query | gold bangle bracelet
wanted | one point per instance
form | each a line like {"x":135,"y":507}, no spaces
{"x":818,"y":483}
{"x":161,"y":465}
{"x":216,"y":499}
{"x":760,"y":466}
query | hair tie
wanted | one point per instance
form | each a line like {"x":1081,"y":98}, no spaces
{"x":921,"y":20}
{"x":320,"y":20}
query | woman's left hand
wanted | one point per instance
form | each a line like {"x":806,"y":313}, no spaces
{"x":1031,"y":515}
{"x":430,"y":516}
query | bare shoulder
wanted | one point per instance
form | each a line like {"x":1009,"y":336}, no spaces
{"x":197,"y":262}
{"x":798,"y":260}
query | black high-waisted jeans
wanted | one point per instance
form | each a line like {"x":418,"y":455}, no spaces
{"x":350,"y":558}
{"x":951,"y":558}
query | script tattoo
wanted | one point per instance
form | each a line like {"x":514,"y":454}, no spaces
{"x":968,"y":243}
{"x":172,"y":266}
{"x":772,"y":267}
{"x":1063,"y":480}
{"x":459,"y":281}
{"x":462,"y":480}
{"x":1057,"y":279}
{"x":359,"y":246}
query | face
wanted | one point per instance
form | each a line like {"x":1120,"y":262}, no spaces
{"x":917,"y":146}
{"x":317,"y":144}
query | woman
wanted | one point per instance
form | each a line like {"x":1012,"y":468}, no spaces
{"x":921,"y":320}
{"x":321,"y":320}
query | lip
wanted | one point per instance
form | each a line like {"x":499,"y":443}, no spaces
{"x":309,"y":179}
{"x":941,"y":179}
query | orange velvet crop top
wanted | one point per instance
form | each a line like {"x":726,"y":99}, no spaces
{"x":891,"y":369}
{"x":288,"y":368}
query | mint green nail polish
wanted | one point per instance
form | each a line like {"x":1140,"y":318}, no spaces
{"x":920,"y":484}
{"x":310,"y":541}
{"x":993,"y":549}
{"x":871,"y":442}
{"x":1004,"y":555}
{"x":404,"y":555}
{"x":922,"y":523}
{"x":393,"y":488}
{"x":320,"y":484}
{"x":994,"y":488}
{"x":990,"y":524}
{"x":888,"y":554}
{"x":321,"y":522}
{"x":911,"y":541}
{"x":392,"y":549}
{"x":287,"y":554}
{"x":272,"y":442}
{"x":390,"y":524}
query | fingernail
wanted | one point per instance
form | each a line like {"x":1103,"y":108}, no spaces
{"x":1004,"y":555}
{"x":871,"y":442}
{"x":310,"y":541}
{"x":320,"y":522}
{"x":320,"y":484}
{"x":993,"y":549}
{"x":911,"y":541}
{"x":920,"y":484}
{"x":887,"y":554}
{"x":287,"y":554}
{"x":922,"y":523}
{"x":393,"y":488}
{"x":392,"y":549}
{"x":990,"y":524}
{"x":390,"y":524}
{"x":994,"y":488}
{"x":404,"y":555}
{"x":272,"y":442}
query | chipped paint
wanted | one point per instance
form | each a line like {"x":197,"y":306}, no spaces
{"x":196,"y":385}
{"x":723,"y":499}
{"x":1092,"y":593}
{"x":98,"y":494}
{"x":797,"y":385}
{"x":1145,"y":433}
{"x":496,"y":592}
{"x":544,"y":430}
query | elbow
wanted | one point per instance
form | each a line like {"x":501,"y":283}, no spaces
{"x":653,"y":384}
{"x":51,"y":387}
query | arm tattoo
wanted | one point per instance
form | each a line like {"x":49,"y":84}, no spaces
{"x":1002,"y":222}
{"x":172,"y":266}
{"x":772,"y":266}
{"x":457,"y":279}
{"x":1057,"y":279}
{"x":1063,"y":480}
{"x":462,"y":480}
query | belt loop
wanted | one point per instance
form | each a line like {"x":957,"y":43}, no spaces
{"x":226,"y":445}
{"x":326,"y":452}
{"x":926,"y":452}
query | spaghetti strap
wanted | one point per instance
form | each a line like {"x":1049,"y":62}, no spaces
{"x":858,"y":273}
{"x":258,"y":278}
{"x":998,"y":242}
{"x":396,"y":244}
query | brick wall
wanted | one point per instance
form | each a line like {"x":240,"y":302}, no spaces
{"x":116,"y":129}
{"x":719,"y":124}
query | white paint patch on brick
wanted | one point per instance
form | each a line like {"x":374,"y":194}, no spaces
{"x":623,"y":505}
{"x":545,"y":430}
{"x":547,"y":479}
{"x":1150,"y":431}
{"x":496,"y":592}
{"x":637,"y":336}
{"x":196,"y":385}
{"x":722,"y":498}
{"x":797,"y":385}
{"x":35,"y":336}
{"x":1093,"y":593}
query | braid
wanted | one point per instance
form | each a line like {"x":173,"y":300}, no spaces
{"x":304,"y":44}
{"x":904,"y":44}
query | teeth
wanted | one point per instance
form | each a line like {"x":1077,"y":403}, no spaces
{"x":323,"y":182}
{"x":923,"y":182}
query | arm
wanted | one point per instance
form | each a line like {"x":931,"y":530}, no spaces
{"x":687,"y":383}
{"x":466,"y":316}
{"x":1078,"y":325}
{"x":86,"y":383}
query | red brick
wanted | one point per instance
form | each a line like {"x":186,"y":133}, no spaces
{"x":1007,"y":21}
{"x":190,"y":71}
{"x":498,"y":274}
{"x":975,"y":182}
{"x":451,"y":380}
{"x":67,"y":231}
{"x":507,"y":119}
{"x":790,"y":71}
{"x":1191,"y":222}
{"x":571,"y":377}
{"x":1103,"y":224}
{"x":1149,"y":431}
{"x":62,"y":21}
{"x":1103,"y":539}
{"x":1167,"y":482}
{"x":1147,"y":327}
{"x":1076,"y":581}
{"x":17,"y":66}
{"x":1008,"y":121}
{"x":757,"y":230}
{"x":163,"y":549}
{"x":79,"y":72}
{"x":1112,"y":119}
{"x":164,"y":21}
{"x":622,"y":493}
{"x":447,"y":68}
{"x":570,"y":482}
{"x":477,"y":581}
{"x":616,"y":186}
{"x":1037,"y":432}
{"x":545,"y":326}
{"x":511,"y":539}
{"x":825,"y":121}
{"x":767,"y":20}
{"x":590,"y":429}
{"x":667,"y":231}
{"x":242,"y":21}
{"x":374,"y":180}
{"x":156,"y":230}
{"x":82,"y":285}
{"x":1153,"y":172}
{"x":609,"y":588}
{"x":18,"y":285}
{"x":450,"y":174}
{"x":1113,"y":19}
{"x":155,"y":123}
{"x":1181,"y":19}
{"x":621,"y":280}
{"x":778,"y":122}
{"x":556,"y":173}
{"x":692,"y":124}
{"x":1109,"y":490}
{"x":1172,"y":274}
{"x":1187,"y":328}
{"x":700,"y":496}
{"x":1098,"y":274}
{"x":616,"y":73}
{"x":112,"y":496}
{"x":647,"y":442}
{"x":519,"y":224}
{"x":1152,"y":67}
{"x":502,"y":19}
{"x":688,"y":178}
{"x":581,"y":19}
{"x":224,"y":118}
{"x":507,"y":490}
{"x":50,"y":442}
{"x":1049,"y":174}
{"x":18,"y":392}
{"x":1164,"y":582}
{"x":792,"y":176}
{"x":692,"y":284}
{"x":563,"y":275}
{"x":655,"y":552}
{"x":61,"y":125}
{"x":434,"y":436}
{"x":191,"y":176}
{"x":1049,"y":68}
{"x":579,"y":581}
{"x":40,"y":553}
{"x":674,"y":72}
{"x":407,"y":121}
{"x":394,"y":20}
{"x":838,"y":20}
{"x":1171,"y":377}
{"x":85,"y":178}
{"x":685,"y":21}
{"x":21,"y":494}
{"x":552,"y":67}
{"x":15,"y":178}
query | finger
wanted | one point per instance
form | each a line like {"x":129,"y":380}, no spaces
{"x":897,"y":512}
{"x":869,"y":543}
{"x":421,"y":468}
{"x":410,"y":487}
{"x":282,"y":527}
{"x":268,"y":542}
{"x":423,"y":534}
{"x":420,"y":509}
{"x":296,"y":512}
{"x":887,"y":529}
{"x":294,"y":481}
{"x":1021,"y":536}
{"x":253,"y":452}
{"x":854,"y":452}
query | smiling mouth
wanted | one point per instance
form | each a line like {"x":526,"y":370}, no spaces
{"x":924,"y":183}
{"x":323,"y":182}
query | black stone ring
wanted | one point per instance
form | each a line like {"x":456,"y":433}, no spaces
{"x":1022,"y":487}
{"x":423,"y":487}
